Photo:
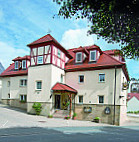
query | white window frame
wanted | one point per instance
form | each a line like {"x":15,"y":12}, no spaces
{"x":79,"y":99}
{"x":81,"y":57}
{"x":104,"y":77}
{"x":25,"y":100}
{"x":99,"y":98}
{"x":94,"y":51}
{"x":24,"y":67}
{"x":36,"y":85}
{"x":79,"y":78}
{"x":59,"y":53}
{"x":24,"y":84}
{"x":16,"y":65}
{"x":38,"y":62}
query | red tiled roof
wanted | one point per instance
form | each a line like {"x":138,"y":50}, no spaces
{"x":63,"y":87}
{"x":27,"y":57}
{"x":10,"y":71}
{"x":104,"y":60}
{"x":131,"y":95}
{"x":111,"y":52}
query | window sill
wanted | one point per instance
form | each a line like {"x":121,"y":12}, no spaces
{"x":38,"y":90}
{"x":101,"y":82}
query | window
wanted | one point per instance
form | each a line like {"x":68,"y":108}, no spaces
{"x":92,"y":55}
{"x":80,"y":99}
{"x":59,"y":53}
{"x":8,"y":84}
{"x":81,"y":78}
{"x":79,"y":57}
{"x":38,"y":85}
{"x":23,"y":82}
{"x":23,"y":98}
{"x":101,"y":99}
{"x":24,"y":64}
{"x":40,"y":60}
{"x":16,"y":65}
{"x":102,"y":77}
{"x":62,"y":76}
{"x":9,"y":96}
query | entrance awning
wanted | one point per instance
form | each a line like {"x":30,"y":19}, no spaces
{"x":63,"y":87}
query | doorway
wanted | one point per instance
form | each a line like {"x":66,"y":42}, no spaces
{"x":57,"y":101}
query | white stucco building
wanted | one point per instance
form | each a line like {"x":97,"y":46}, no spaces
{"x":94,"y":82}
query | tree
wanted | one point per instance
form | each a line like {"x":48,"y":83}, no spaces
{"x":113,"y":20}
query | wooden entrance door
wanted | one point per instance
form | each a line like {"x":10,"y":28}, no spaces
{"x":57,"y":101}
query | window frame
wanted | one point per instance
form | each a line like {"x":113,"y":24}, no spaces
{"x":59,"y":53}
{"x":79,"y":99}
{"x":79,"y":78}
{"x":8,"y":83}
{"x":104,"y":77}
{"x":94,"y":51}
{"x":99,"y":99}
{"x":16,"y":65}
{"x":38,"y":59}
{"x":24,"y":82}
{"x":25,"y":64}
{"x":81,"y":57}
{"x":38,"y":89}
{"x":23,"y":98}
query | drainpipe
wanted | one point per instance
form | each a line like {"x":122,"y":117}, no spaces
{"x":114,"y":95}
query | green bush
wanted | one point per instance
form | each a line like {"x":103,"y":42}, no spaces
{"x":38,"y":108}
{"x":97,"y":118}
{"x":74,"y":114}
{"x":50,"y":116}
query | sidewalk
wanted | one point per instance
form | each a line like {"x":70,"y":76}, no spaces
{"x":11,"y":117}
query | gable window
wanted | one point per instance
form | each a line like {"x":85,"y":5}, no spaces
{"x":23,"y":82}
{"x":24,"y":64}
{"x":79,"y":57}
{"x":101,"y":99}
{"x":40,"y":60}
{"x":16,"y":65}
{"x":23,"y":98}
{"x":93,"y":55}
{"x":38,"y":85}
{"x":81,"y":78}
{"x":80,"y":99}
{"x":101,"y":77}
{"x":59,"y":53}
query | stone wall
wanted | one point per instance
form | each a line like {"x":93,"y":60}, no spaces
{"x":47,"y":108}
{"x":15,"y":103}
{"x":98,"y":111}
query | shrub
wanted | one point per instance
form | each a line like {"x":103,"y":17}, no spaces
{"x":38,"y":108}
{"x":74,"y":114}
{"x":97,"y":118}
{"x":50,"y":116}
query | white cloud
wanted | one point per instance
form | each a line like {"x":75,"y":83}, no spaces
{"x":7,"y":53}
{"x":76,"y":38}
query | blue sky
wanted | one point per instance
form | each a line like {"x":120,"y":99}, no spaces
{"x":23,"y":21}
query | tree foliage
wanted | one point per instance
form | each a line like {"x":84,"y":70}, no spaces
{"x":114,"y":20}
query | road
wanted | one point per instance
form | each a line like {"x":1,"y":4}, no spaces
{"x":17,"y":126}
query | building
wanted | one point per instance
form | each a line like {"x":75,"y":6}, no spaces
{"x":93,"y":82}
{"x":134,"y":85}
{"x":133,"y":102}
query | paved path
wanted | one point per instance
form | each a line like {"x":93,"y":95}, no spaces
{"x":11,"y":117}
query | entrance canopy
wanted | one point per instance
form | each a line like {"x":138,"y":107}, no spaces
{"x":63,"y":87}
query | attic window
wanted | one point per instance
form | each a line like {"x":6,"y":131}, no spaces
{"x":24,"y":64}
{"x":16,"y":65}
{"x":78,"y":57}
{"x":93,"y":55}
{"x":40,"y":60}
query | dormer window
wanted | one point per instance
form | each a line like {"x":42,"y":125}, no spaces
{"x":24,"y":64}
{"x":16,"y":65}
{"x":78,"y":57}
{"x":93,"y":55}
